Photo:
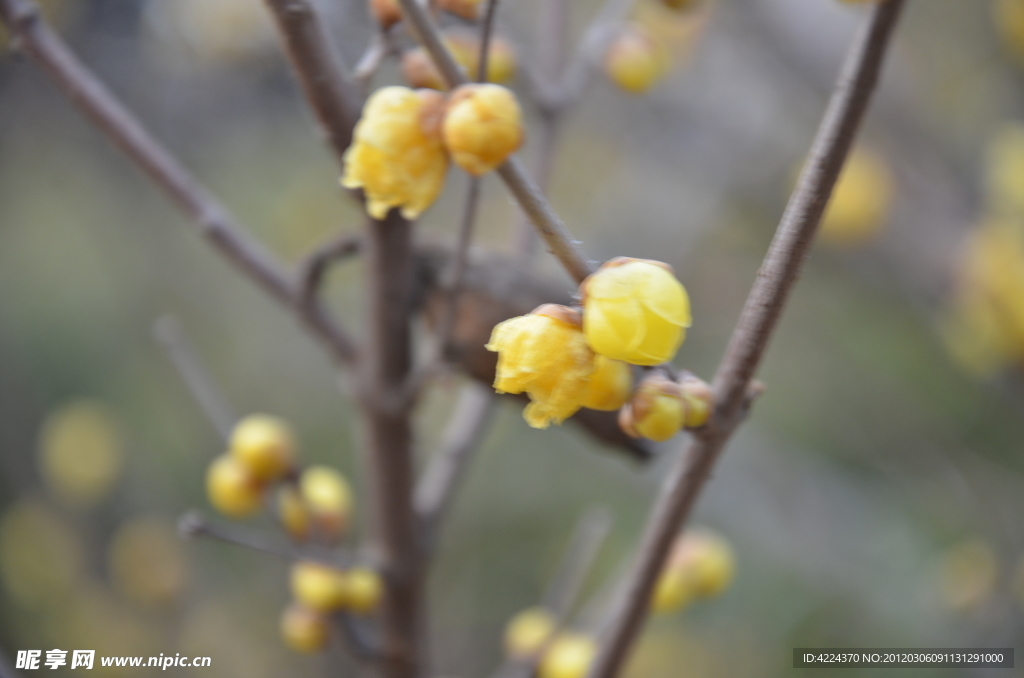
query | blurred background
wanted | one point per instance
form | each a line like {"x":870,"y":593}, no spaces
{"x":874,"y":498}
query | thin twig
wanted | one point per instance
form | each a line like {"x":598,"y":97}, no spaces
{"x":315,"y":265}
{"x":359,"y":640}
{"x":553,"y":29}
{"x":316,"y":61}
{"x":466,"y":227}
{"x":473,"y":412}
{"x":197,"y":378}
{"x":214,"y":221}
{"x":194,"y":524}
{"x":757,"y":321}
{"x":590,"y":50}
{"x":552,"y":229}
{"x":369,"y":63}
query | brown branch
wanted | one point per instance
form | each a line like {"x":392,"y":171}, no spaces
{"x":384,"y":374}
{"x":333,"y":95}
{"x":193,"y":524}
{"x":214,"y":221}
{"x":473,"y":413}
{"x":369,"y":63}
{"x":315,"y":265}
{"x":590,"y":50}
{"x":530,"y":198}
{"x":757,"y":321}
{"x":190,"y":368}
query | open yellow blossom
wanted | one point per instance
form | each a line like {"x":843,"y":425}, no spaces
{"x":656,"y":411}
{"x":635,"y":310}
{"x":544,"y":355}
{"x":396,"y":155}
{"x":482,"y":127}
{"x":610,"y":384}
{"x":861,"y":201}
{"x":635,"y":59}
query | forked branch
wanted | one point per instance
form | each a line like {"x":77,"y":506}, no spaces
{"x":213,"y":220}
{"x":758,"y":319}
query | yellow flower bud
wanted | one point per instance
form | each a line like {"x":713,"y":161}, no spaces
{"x":264,"y":445}
{"x":293,"y":512}
{"x":482,"y":127}
{"x":1004,"y":169}
{"x":467,"y":9}
{"x":303,"y":630}
{"x":671,"y":593}
{"x":610,"y":384}
{"x":527,"y":632}
{"x":860,"y":202}
{"x":232,"y":489}
{"x":570,"y":655}
{"x":635,"y":310}
{"x":544,"y":355}
{"x":698,"y":399}
{"x":396,"y":155}
{"x":386,"y":12}
{"x":656,"y":411}
{"x":318,"y":587}
{"x":635,"y":59}
{"x":364,"y":590}
{"x":81,"y":452}
{"x":327,"y":495}
{"x":705,"y":559}
{"x":419,"y":71}
{"x":1008,"y":16}
{"x":681,"y":5}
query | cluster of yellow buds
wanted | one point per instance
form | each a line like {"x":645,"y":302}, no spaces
{"x":399,"y":155}
{"x":701,"y":565}
{"x":634,"y":312}
{"x":320,"y":590}
{"x":534,"y":634}
{"x":314,"y":503}
{"x":984,"y":326}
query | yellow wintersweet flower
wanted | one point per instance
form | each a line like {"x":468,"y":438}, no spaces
{"x":635,"y":310}
{"x":544,"y":355}
{"x":419,"y":70}
{"x":860,"y":201}
{"x":467,"y":9}
{"x":303,"y":630}
{"x":656,"y":411}
{"x":698,"y":399}
{"x":396,"y":156}
{"x":610,"y":384}
{"x":482,"y":127}
{"x":263,"y":444}
{"x":635,"y":59}
{"x":232,"y":488}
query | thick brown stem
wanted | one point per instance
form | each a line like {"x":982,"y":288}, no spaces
{"x":388,"y":439}
{"x":750,"y":338}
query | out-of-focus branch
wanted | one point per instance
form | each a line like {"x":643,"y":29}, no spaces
{"x":193,"y":524}
{"x":315,"y":265}
{"x":530,"y":198}
{"x":369,"y":63}
{"x":590,"y":50}
{"x":190,"y":368}
{"x":214,"y":221}
{"x":563,"y":591}
{"x":333,"y":95}
{"x":749,"y":340}
{"x":474,"y":410}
